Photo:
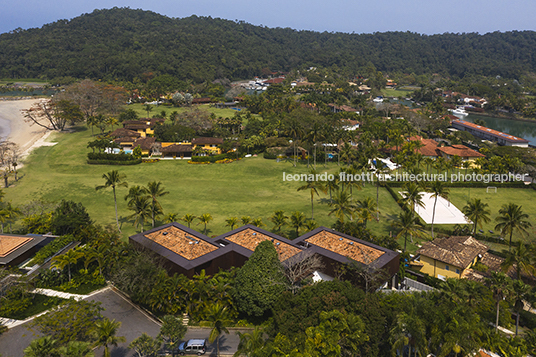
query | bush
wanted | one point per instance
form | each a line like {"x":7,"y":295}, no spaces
{"x":270,"y":156}
{"x":111,"y":162}
{"x":111,"y":157}
{"x":51,"y":248}
{"x":213,"y":158}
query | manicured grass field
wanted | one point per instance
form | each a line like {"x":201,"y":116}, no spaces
{"x":396,"y":92}
{"x":250,"y":187}
{"x":139,"y":108}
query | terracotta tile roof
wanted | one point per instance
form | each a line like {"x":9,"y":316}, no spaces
{"x":460,"y":150}
{"x":493,"y":262}
{"x":144,"y":143}
{"x":10,"y":243}
{"x":249,"y":239}
{"x":125,"y":133}
{"x":177,"y":148}
{"x":181,"y":242}
{"x":345,"y":247}
{"x":429,"y":148}
{"x":207,"y":140}
{"x":488,"y":131}
{"x":457,"y":251}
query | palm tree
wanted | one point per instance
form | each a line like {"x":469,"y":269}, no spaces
{"x":188,"y":219}
{"x":133,"y":193}
{"x":155,"y":190}
{"x":332,"y":185}
{"x":171,"y":217}
{"x":310,"y":225}
{"x":408,"y":224}
{"x":42,"y":347}
{"x":412,"y":196}
{"x":511,"y":218}
{"x":105,"y":334}
{"x":98,"y":254}
{"x":521,"y":258}
{"x":314,"y":186}
{"x":142,"y":211}
{"x":297,"y":220}
{"x":342,"y":205}
{"x":114,"y":179}
{"x":250,"y":342}
{"x":500,"y":287}
{"x":148,"y":108}
{"x":366,"y":209}
{"x":521,"y":293}
{"x":76,"y":349}
{"x":478,"y":212}
{"x":66,"y":259}
{"x":438,"y":189}
{"x":231,"y":222}
{"x":11,"y":213}
{"x":218,"y":318}
{"x":409,"y":330}
{"x":205,"y":218}
{"x":245,"y":220}
{"x":257,"y":222}
{"x":279,"y":220}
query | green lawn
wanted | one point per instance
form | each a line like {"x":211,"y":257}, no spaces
{"x":251,"y":186}
{"x":139,"y":108}
{"x":389,"y":92}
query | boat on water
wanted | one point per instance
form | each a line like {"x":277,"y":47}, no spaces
{"x":460,"y":112}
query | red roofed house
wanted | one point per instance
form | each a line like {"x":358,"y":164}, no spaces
{"x":459,"y":150}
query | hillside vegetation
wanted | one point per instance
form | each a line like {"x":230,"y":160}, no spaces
{"x":126,"y":44}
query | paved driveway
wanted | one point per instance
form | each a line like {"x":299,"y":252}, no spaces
{"x":133,"y":323}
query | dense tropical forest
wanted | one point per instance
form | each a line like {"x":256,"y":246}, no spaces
{"x":125,"y":44}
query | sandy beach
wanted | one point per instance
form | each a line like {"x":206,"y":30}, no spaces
{"x":15,"y":129}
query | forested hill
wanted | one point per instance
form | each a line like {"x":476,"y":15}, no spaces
{"x":125,"y":43}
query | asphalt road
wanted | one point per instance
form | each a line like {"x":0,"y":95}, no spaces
{"x":133,"y":323}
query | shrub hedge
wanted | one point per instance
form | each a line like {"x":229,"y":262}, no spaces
{"x":109,"y":157}
{"x":113,"y":162}
{"x":213,"y":158}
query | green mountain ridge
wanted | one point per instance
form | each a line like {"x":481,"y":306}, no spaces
{"x":122,"y":43}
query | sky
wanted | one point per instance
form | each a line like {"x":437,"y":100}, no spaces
{"x":358,"y":16}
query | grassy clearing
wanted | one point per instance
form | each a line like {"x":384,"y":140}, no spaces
{"x":389,"y":92}
{"x":224,"y":113}
{"x":250,"y":187}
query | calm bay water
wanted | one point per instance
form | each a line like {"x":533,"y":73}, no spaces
{"x":522,"y":129}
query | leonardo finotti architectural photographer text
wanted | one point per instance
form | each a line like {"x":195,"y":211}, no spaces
{"x":406,"y":176}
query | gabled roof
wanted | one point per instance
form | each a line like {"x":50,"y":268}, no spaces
{"x":457,"y":251}
{"x":125,"y":133}
{"x":460,"y":150}
{"x":429,"y":148}
{"x":177,"y":148}
{"x":144,"y":143}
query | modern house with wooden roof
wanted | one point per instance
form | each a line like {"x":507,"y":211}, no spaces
{"x":188,"y":252}
{"x":448,"y":257}
{"x":16,"y":249}
{"x":489,"y":134}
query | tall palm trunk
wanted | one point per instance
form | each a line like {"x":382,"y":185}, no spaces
{"x":433,"y":217}
{"x":116,"y":215}
{"x":497,"y":318}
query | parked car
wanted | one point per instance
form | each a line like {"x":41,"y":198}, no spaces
{"x":193,"y":347}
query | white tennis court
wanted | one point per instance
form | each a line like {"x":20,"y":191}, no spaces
{"x":445,"y":213}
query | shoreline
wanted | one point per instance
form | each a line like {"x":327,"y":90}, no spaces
{"x":496,"y":115}
{"x":14,"y":128}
